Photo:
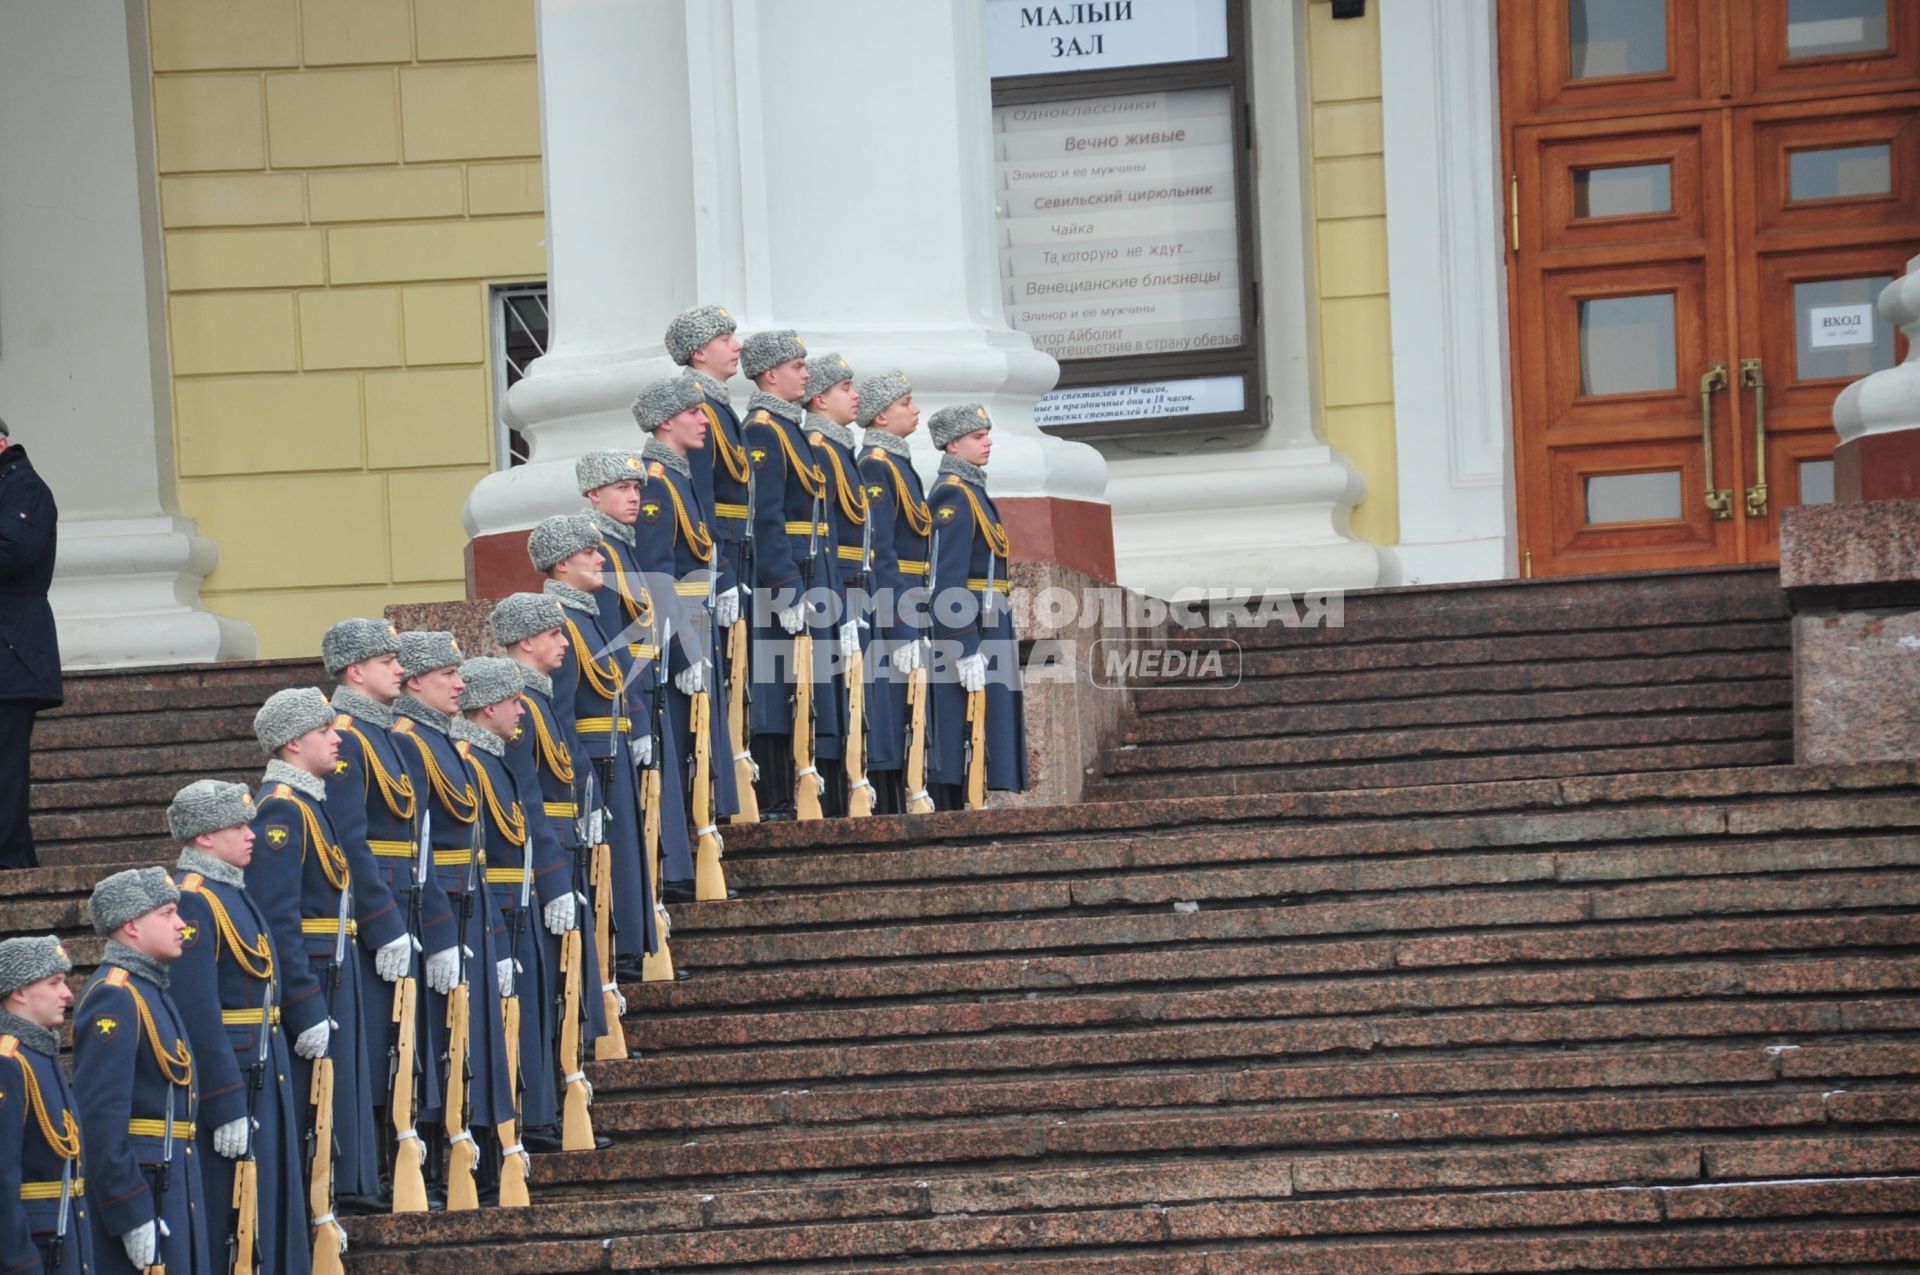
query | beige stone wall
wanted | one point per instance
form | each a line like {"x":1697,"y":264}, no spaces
{"x":340,"y":180}
{"x":1350,"y":243}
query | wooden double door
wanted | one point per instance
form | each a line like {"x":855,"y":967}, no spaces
{"x":1706,"y":199}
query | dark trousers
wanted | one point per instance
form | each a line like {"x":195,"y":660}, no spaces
{"x":16,"y":745}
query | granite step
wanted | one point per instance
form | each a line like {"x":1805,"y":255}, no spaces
{"x":186,"y":686}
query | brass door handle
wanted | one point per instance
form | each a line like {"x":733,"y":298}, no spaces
{"x":1719,"y":499}
{"x":1752,"y":379}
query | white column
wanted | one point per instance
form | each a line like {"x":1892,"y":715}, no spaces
{"x":83,"y":353}
{"x":1446,"y":272}
{"x":1269,"y":511}
{"x":1887,"y":401}
{"x":823,"y":165}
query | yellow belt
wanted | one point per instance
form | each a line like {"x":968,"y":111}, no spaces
{"x":504,"y":876}
{"x":182,"y":1129}
{"x":50,"y":1190}
{"x":999,"y":586}
{"x":392,"y":849}
{"x":688,"y":589}
{"x":851,"y":553}
{"x":601,"y":725}
{"x":327,"y":925}
{"x":455,"y":858}
{"x":562,"y":810}
{"x":912,"y":567}
{"x":808,"y":528}
{"x":724,"y":510}
{"x":246,"y":1017}
{"x":643,"y":651}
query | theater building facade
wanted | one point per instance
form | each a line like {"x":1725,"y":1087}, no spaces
{"x":306,"y":306}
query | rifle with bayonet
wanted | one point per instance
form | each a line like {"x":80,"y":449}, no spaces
{"x":576,"y":1124}
{"x":514,"y":1161}
{"x":859,"y":787}
{"x":243,"y":1246}
{"x":463,"y":1153}
{"x":409,"y":1153}
{"x":807,"y":783}
{"x":977,"y":705}
{"x":919,"y":800}
{"x":739,"y":662}
{"x":709,"y":878}
{"x":657,"y":966}
{"x":327,"y":1235}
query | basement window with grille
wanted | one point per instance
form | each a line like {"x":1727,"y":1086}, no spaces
{"x":1125,"y":215}
{"x":519,"y":337}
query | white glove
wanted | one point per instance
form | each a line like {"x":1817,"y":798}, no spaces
{"x":643,"y":751}
{"x":140,"y":1243}
{"x":341,"y":1232}
{"x":312,"y":1043}
{"x":230,"y":1139}
{"x":390,"y":960}
{"x":560,"y":913}
{"x":692,"y":680}
{"x":503,"y":975}
{"x":850,"y":640}
{"x":726,"y":609}
{"x":620,"y":1004}
{"x":443,"y":970}
{"x":794,"y":618}
{"x":973,"y":672}
{"x":906,"y":656}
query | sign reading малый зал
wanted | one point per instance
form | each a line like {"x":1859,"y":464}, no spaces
{"x":1043,"y":39}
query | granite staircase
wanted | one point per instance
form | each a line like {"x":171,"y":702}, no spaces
{"x":1627,"y":993}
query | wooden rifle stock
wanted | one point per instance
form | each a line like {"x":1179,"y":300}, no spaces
{"x":737,"y":722}
{"x":463,"y":1155}
{"x":918,"y":802}
{"x":806,"y":781}
{"x":409,"y":1182}
{"x":859,"y":791}
{"x":513,"y":1167}
{"x":977,"y":750}
{"x":326,"y":1235}
{"x":656,"y":966}
{"x":246,"y":1203}
{"x":709,"y":878}
{"x":576,"y":1125}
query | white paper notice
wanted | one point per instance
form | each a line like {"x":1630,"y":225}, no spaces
{"x":1117,"y":224}
{"x":1024,"y":38}
{"x":1197,"y":396}
{"x":1832,"y":325}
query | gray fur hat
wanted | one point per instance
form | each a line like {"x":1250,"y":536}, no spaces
{"x":824,"y":371}
{"x":693,"y":328}
{"x":29,"y":959}
{"x":661,"y":401}
{"x":489,"y":680}
{"x":957,"y":421}
{"x":608,"y":466}
{"x":128,"y":896}
{"x":524,"y":615}
{"x":427,"y":652}
{"x":560,"y":537}
{"x":289,"y":714}
{"x":878,"y":393}
{"x":763,"y":350}
{"x":351,"y":641}
{"x":208,"y":805}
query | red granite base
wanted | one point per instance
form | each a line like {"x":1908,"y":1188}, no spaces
{"x":497,"y":565}
{"x":1878,"y":467}
{"x":1077,"y":534}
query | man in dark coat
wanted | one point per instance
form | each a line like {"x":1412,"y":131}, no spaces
{"x":29,"y":652}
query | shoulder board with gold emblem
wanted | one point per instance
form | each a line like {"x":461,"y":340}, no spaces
{"x":954,"y":480}
{"x":761,"y":416}
{"x":815,"y":438}
{"x":9,"y":1046}
{"x":879,"y":453}
{"x":282,"y":792}
{"x":343,"y":721}
{"x":403,"y":726}
{"x":117,"y":977}
{"x":656,"y":470}
{"x":192,"y":882}
{"x":463,"y":748}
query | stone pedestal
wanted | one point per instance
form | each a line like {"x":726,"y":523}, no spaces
{"x":83,"y":353}
{"x":760,"y":173}
{"x":1852,"y":569}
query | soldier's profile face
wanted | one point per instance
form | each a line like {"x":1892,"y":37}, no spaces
{"x":839,"y":404}
{"x":901,"y":418}
{"x":718,"y":358}
{"x":973,"y":448}
{"x":229,"y":845}
{"x":438,"y":690}
{"x":547,"y":651}
{"x":685,"y":431}
{"x":786,"y":380}
{"x":619,"y":501}
{"x":42,"y":1002}
{"x":380,"y":677}
{"x":158,"y":934}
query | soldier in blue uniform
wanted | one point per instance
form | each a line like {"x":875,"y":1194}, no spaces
{"x":531,"y":629}
{"x":832,"y":404}
{"x":629,"y":629}
{"x":702,"y":340}
{"x":133,"y":1080}
{"x":793,"y":557}
{"x":970,"y":570}
{"x":227,"y":984}
{"x":302,"y":882}
{"x":43,"y":1208}
{"x":375,"y":806}
{"x":902,"y":527}
{"x":524,"y":874}
{"x":425,"y":714}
